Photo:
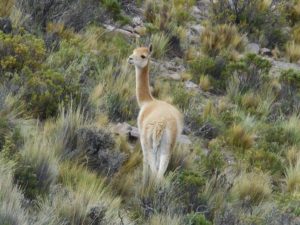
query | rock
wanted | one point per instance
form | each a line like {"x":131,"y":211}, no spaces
{"x":122,"y":31}
{"x":5,"y":25}
{"x":278,"y":66}
{"x":183,"y":139}
{"x":137,"y":21}
{"x":197,"y":29}
{"x":173,"y":76}
{"x":140,"y":30}
{"x":122,"y":129}
{"x":266,"y":52}
{"x":253,"y":48}
{"x":191,"y":85}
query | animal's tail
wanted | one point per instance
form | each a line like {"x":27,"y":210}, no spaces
{"x":158,"y":133}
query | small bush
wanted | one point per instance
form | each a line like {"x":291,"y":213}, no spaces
{"x":181,"y":97}
{"x":251,"y":72}
{"x":265,"y":161}
{"x":262,"y":20}
{"x":221,"y":38}
{"x":252,"y":187}
{"x":19,"y":51}
{"x":210,"y":67}
{"x":197,"y":219}
{"x":45,"y":91}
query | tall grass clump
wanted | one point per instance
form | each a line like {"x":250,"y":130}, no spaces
{"x":160,"y":45}
{"x":252,"y":187}
{"x":11,"y":198}
{"x":85,"y":200}
{"x":222,"y":39}
{"x":5,"y":7}
{"x":37,"y":167}
{"x":292,"y":177}
{"x":62,"y":130}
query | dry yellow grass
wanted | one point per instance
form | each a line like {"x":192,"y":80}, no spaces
{"x":6,"y":7}
{"x":293,"y":51}
{"x":205,"y":83}
{"x":253,"y":187}
{"x":239,"y":137}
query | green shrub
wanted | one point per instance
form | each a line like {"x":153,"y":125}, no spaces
{"x":191,"y":185}
{"x":214,"y":161}
{"x":197,"y":219}
{"x":262,"y":20}
{"x":211,"y":67}
{"x":181,"y":97}
{"x":265,"y":161}
{"x":19,"y":51}
{"x":45,"y":91}
{"x":251,"y":72}
{"x":119,"y":107}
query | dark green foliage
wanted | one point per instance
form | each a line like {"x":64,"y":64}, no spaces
{"x":191,"y":185}
{"x":251,"y":72}
{"x":265,"y":161}
{"x":262,"y":22}
{"x":291,"y":77}
{"x":19,"y":51}
{"x":214,"y":161}
{"x":45,"y":91}
{"x":274,"y":138}
{"x":120,"y":108}
{"x":196,"y":219}
{"x":181,"y":97}
{"x":288,"y":99}
{"x":26,"y":178}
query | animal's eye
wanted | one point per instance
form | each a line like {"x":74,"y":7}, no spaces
{"x":143,"y":56}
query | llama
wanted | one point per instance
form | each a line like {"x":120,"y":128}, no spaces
{"x":159,"y":122}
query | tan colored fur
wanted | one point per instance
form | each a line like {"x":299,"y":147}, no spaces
{"x":159,"y":122}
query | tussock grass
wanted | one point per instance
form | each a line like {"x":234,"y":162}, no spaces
{"x":292,"y":177}
{"x":62,"y":131}
{"x":37,"y":157}
{"x":252,"y":187}
{"x":238,"y":136}
{"x":11,"y":198}
{"x":160,"y":44}
{"x":159,"y":219}
{"x":222,"y":38}
{"x":205,"y":83}
{"x":292,"y":129}
{"x":5,"y":7}
{"x":84,"y":201}
{"x":293,"y":51}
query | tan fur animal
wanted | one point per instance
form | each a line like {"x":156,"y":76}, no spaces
{"x":159,"y":123}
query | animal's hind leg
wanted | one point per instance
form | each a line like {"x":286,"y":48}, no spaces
{"x":164,"y":157}
{"x":145,"y":163}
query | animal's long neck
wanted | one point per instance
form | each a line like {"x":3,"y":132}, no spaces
{"x":142,"y":85}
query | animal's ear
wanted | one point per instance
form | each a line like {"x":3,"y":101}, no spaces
{"x":150,"y":49}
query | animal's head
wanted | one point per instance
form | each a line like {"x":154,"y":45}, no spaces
{"x":140,"y":56}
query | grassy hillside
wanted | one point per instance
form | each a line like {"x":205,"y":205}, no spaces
{"x":69,"y":154}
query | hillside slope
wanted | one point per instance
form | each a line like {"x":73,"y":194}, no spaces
{"x":69,"y":146}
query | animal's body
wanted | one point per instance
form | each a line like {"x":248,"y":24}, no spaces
{"x":159,"y":122}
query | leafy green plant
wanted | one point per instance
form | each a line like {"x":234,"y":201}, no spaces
{"x":19,"y":51}
{"x":45,"y":91}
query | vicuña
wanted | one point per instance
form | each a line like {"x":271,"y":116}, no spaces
{"x":159,"y":122}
